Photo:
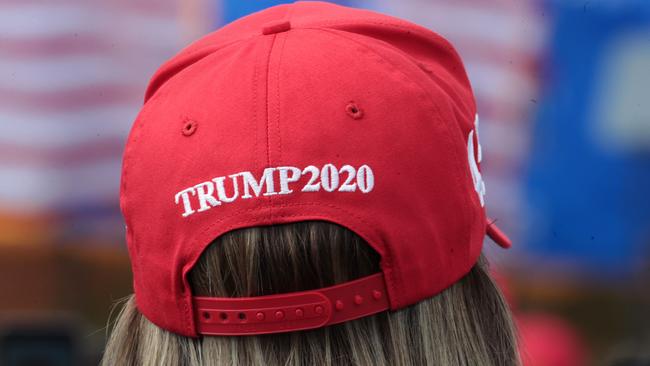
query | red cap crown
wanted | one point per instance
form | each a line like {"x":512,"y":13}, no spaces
{"x":307,"y":111}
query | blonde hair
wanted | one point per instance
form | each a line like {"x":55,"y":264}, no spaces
{"x":467,"y":324}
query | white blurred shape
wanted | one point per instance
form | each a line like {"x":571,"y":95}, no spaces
{"x":25,"y":190}
{"x":53,"y":130}
{"x":621,"y":110}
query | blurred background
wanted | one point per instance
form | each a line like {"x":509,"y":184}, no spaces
{"x":563,"y":94}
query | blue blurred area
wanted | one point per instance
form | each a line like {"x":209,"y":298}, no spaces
{"x":233,"y":10}
{"x":589,"y":170}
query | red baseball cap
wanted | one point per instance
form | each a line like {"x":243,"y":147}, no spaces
{"x":305,"y":111}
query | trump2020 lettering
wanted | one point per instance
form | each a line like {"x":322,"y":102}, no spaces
{"x":277,"y":180}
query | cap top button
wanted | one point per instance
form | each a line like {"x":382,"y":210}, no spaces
{"x":276,"y":26}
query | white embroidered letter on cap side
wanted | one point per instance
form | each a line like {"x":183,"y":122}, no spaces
{"x":250,"y":182}
{"x":187,"y":205}
{"x":479,"y":185}
{"x":221,"y":189}
{"x":205,"y":193}
{"x":285,"y":178}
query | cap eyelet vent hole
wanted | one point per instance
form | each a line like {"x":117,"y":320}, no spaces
{"x":223,"y":316}
{"x":189,"y":127}
{"x":241,"y":316}
{"x":353,"y":110}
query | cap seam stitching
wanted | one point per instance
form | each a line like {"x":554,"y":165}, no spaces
{"x":268,"y":132}
{"x":268,"y":63}
{"x":253,"y":126}
{"x":277,"y":96}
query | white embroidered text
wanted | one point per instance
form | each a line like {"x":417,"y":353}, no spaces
{"x":278,"y":180}
{"x":472,"y":151}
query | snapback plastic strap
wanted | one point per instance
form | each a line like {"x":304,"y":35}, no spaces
{"x":291,"y":311}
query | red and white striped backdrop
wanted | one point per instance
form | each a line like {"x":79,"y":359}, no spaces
{"x":72,"y":78}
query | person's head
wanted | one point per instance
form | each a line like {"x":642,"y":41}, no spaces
{"x":302,"y":186}
{"x":466,"y":324}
